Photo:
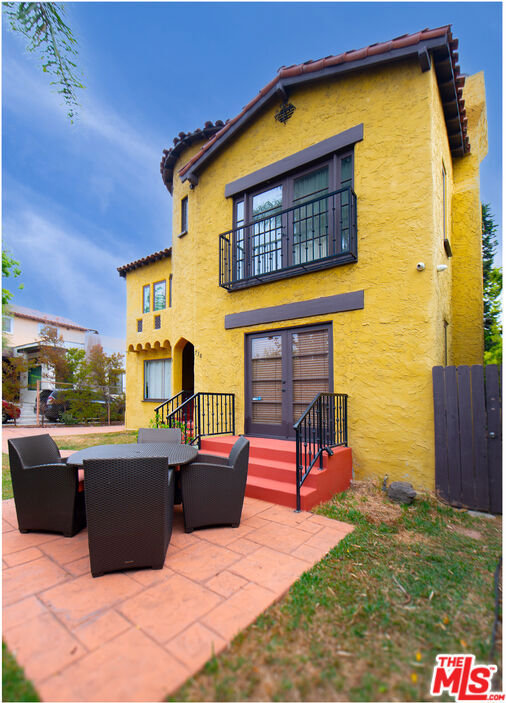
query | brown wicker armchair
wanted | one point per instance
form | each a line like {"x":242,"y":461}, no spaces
{"x":46,"y":491}
{"x":213,"y":488}
{"x":153,"y":434}
{"x":129,"y":505}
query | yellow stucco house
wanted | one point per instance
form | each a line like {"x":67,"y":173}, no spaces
{"x":326,"y":239}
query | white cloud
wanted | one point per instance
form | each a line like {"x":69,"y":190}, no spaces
{"x":65,"y":271}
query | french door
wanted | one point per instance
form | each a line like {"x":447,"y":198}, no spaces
{"x":284,"y":371}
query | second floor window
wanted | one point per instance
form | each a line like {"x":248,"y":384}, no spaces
{"x":159,"y":295}
{"x":146,"y":295}
{"x":305,"y":218}
{"x":184,"y":215}
{"x":7,"y":324}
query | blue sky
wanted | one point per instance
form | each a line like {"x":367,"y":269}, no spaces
{"x":80,"y":200}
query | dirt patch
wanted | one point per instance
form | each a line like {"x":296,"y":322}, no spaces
{"x":410,"y":537}
{"x":473,"y":534}
{"x":373,"y":504}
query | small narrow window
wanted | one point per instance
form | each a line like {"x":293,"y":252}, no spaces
{"x":146,"y":298}
{"x":7,"y":324}
{"x":158,"y":322}
{"x":444,"y":195}
{"x":139,"y":325}
{"x":159,"y":297}
{"x":184,"y":215}
{"x":170,"y":291}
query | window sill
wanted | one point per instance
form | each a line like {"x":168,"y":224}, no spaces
{"x":154,"y":400}
{"x":182,"y":234}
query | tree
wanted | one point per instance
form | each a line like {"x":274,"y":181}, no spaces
{"x":492,"y":289}
{"x":104,"y":372}
{"x":10,"y":267}
{"x":48,"y":35}
{"x":53,"y":354}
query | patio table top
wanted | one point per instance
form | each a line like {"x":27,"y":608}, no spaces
{"x":176,"y":453}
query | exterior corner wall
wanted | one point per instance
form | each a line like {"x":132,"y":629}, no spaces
{"x":467,"y":293}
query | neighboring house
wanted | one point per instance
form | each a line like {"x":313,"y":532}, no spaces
{"x":21,"y":329}
{"x":326,"y":238}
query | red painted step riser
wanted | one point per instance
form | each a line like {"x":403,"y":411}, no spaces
{"x":223,"y":449}
{"x":319,"y":487}
{"x":285,"y":474}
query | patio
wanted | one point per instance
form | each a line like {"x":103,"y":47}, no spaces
{"x":138,"y":635}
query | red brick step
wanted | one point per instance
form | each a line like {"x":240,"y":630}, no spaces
{"x":271,"y":471}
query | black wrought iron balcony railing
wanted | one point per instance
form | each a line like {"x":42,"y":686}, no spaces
{"x":316,"y":234}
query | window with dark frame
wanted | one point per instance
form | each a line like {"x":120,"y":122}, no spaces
{"x":184,"y":215}
{"x":297,"y":220}
{"x":170,"y":291}
{"x":158,"y":322}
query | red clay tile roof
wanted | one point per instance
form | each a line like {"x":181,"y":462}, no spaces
{"x":164,"y":254}
{"x":455,"y":84}
{"x":183,"y":140}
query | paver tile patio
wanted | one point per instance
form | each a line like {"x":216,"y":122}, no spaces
{"x":45,"y":645}
{"x":84,"y":597}
{"x":33,"y":577}
{"x":163,"y":611}
{"x":130,"y":667}
{"x":138,"y":635}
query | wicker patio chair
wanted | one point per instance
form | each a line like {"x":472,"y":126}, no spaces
{"x":213,"y":488}
{"x":165,"y":434}
{"x":148,"y":434}
{"x":46,"y":491}
{"x":129,"y":505}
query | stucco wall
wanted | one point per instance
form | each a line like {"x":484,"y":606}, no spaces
{"x":383,"y":354}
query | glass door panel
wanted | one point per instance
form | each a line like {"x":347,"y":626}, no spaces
{"x":266,"y":239}
{"x":266,"y":380}
{"x":310,"y":368}
{"x":310,"y":222}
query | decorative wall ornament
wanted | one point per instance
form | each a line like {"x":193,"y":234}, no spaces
{"x":286,"y":111}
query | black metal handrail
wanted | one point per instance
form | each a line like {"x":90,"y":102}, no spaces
{"x":323,"y":425}
{"x":316,"y":234}
{"x":163,"y":410}
{"x":203,"y":415}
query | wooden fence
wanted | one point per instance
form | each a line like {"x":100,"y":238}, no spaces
{"x":468,"y":436}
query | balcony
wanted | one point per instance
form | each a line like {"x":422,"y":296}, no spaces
{"x":317,"y":234}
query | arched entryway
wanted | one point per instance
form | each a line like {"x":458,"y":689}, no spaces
{"x":188,"y":364}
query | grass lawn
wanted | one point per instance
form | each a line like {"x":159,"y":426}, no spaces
{"x":365,"y":623}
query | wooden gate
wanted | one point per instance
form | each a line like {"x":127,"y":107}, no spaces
{"x":468,"y":436}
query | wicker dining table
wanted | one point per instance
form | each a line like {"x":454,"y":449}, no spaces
{"x":177,"y":454}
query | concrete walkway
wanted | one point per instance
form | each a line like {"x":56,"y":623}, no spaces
{"x":138,"y":635}
{"x":11,"y":431}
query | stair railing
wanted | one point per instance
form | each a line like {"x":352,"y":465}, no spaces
{"x":323,"y":425}
{"x":203,"y":415}
{"x":163,"y":410}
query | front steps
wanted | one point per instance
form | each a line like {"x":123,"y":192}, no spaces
{"x":271,"y":471}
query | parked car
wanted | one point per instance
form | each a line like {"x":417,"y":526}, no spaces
{"x":43,"y":396}
{"x":59,"y":402}
{"x":9,"y":411}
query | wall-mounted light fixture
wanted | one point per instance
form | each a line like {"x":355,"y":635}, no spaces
{"x":441,"y":267}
